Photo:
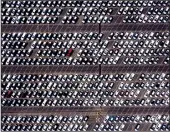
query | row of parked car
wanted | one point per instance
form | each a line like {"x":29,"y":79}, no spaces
{"x":139,"y":35}
{"x":89,"y":11}
{"x":146,"y":19}
{"x":55,"y":53}
{"x":70,"y":19}
{"x":69,"y":3}
{"x":145,"y":56}
{"x":160,"y":127}
{"x":45,"y":127}
{"x":153,"y":88}
{"x":13,"y":45}
{"x":159,"y":11}
{"x":23,"y":36}
{"x":97,"y":19}
{"x":85,"y":61}
{"x":162,"y":118}
{"x":75,"y":78}
{"x":69,"y":44}
{"x":78,"y":36}
{"x":44,"y":119}
{"x":17,"y":53}
{"x":140,"y":44}
{"x":67,"y":77}
{"x":87,"y":52}
{"x":45,"y":123}
{"x":82,"y":93}
{"x":154,"y":76}
{"x":141,"y":60}
{"x":118,"y":44}
{"x":124,"y":52}
{"x":144,"y":85}
{"x":48,"y":16}
{"x":109,"y":127}
{"x":156,"y":122}
{"x":140,"y":10}
{"x":43,"y":53}
{"x":137,"y":127}
{"x":55,"y":11}
{"x":31,"y":11}
{"x":29,"y":20}
{"x":130,"y":10}
{"x":87,"y":19}
{"x":82,"y":127}
{"x":84,"y":102}
{"x":84,"y":77}
{"x":156,"y":93}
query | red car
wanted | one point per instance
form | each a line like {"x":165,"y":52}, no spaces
{"x":8,"y":94}
{"x":69,"y":52}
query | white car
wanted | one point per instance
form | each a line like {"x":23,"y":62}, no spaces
{"x":85,"y":127}
{"x":100,"y":52}
{"x":75,"y":127}
{"x":116,"y":60}
{"x":85,"y":102}
{"x":74,"y":45}
{"x":69,"y":61}
{"x":136,"y":93}
{"x":100,"y":19}
{"x":64,"y":19}
{"x":70,"y":127}
{"x":44,"y":102}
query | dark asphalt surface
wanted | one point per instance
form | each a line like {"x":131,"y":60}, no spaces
{"x":110,"y":110}
{"x":82,"y":28}
{"x":84,"y":69}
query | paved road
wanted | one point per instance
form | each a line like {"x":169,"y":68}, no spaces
{"x":82,"y":28}
{"x":85,"y":69}
{"x":109,"y":110}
